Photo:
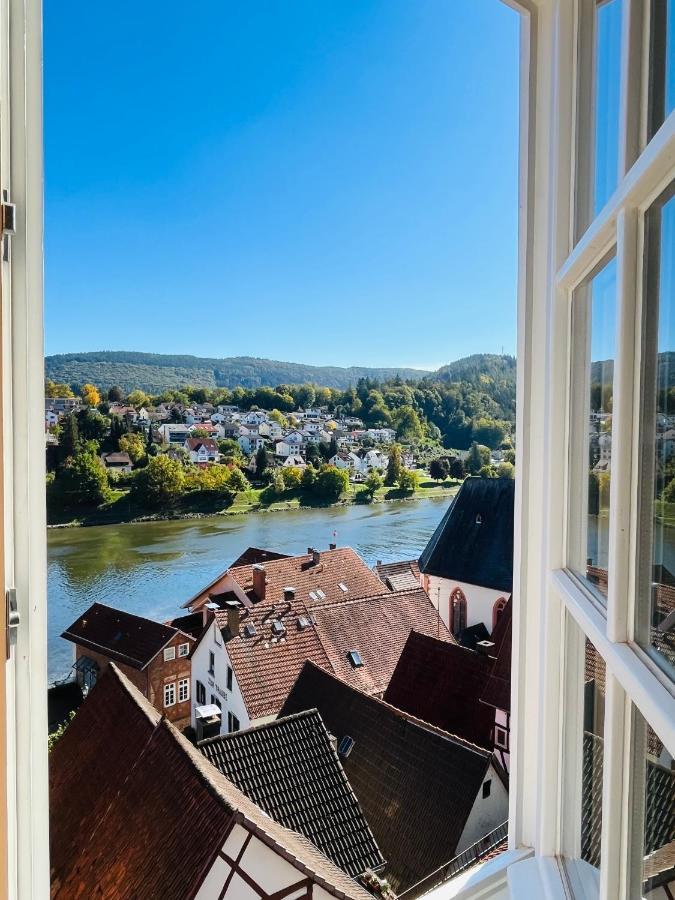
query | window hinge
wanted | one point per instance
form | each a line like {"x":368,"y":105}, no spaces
{"x":13,"y":617}
{"x":8,"y":223}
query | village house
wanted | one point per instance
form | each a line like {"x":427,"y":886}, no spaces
{"x":497,"y":691}
{"x":136,"y":808}
{"x":155,"y":657}
{"x":117,"y":461}
{"x":294,"y":461}
{"x":254,"y":417}
{"x":426,"y":794}
{"x":174,"y":433}
{"x":262,"y":620}
{"x":399,"y":576}
{"x":250,"y":442}
{"x":202,"y":450}
{"x":271,"y":430}
{"x":63,"y":405}
{"x":467,"y":566}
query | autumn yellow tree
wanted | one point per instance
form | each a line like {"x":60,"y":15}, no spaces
{"x":56,"y":389}
{"x":90,"y":395}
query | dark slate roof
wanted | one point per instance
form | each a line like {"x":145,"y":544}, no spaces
{"x":474,"y":541}
{"x":469,"y":637}
{"x":137,"y":811}
{"x":255,"y":555}
{"x":416,"y":784}
{"x":497,"y":691}
{"x":120,"y":635}
{"x":442,"y":683}
{"x":192,"y":624}
{"x":290,"y":769}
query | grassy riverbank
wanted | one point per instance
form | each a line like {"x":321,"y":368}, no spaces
{"x":121,"y":508}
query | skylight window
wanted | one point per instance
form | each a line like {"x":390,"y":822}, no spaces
{"x":250,"y":630}
{"x":343,"y":586}
{"x":303,"y":622}
{"x":354,"y":658}
{"x":313,"y":595}
{"x":320,"y":595}
{"x":345,"y":746}
{"x":278,"y":629}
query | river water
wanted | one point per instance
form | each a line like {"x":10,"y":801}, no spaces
{"x":151,"y":568}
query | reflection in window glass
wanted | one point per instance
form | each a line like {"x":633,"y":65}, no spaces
{"x":662,"y":68}
{"x":653,"y":860}
{"x":656,"y":607}
{"x":606,"y":113}
{"x":594,"y":324}
{"x":591,"y":785}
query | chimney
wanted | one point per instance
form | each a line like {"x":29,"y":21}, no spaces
{"x":316,"y":556}
{"x":289,"y":595}
{"x":332,"y":546}
{"x":485,"y":647}
{"x":208,"y":612}
{"x":259,"y":581}
{"x":233,"y":617}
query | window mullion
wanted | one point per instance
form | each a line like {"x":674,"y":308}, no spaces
{"x":622,"y":429}
{"x":631,"y":87}
{"x":614,"y":808}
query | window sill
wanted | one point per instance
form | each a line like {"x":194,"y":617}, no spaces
{"x":485,"y":880}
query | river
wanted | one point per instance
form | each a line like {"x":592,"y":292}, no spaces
{"x":151,"y":568}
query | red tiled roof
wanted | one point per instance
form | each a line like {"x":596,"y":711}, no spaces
{"x":399,"y":575}
{"x":441,"y":683}
{"x":376,"y":627}
{"x":139,"y":812}
{"x":196,"y":443}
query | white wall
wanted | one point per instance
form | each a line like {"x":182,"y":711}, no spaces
{"x":486,"y":814}
{"x":263,"y":864}
{"x":216,"y":684}
{"x":480,"y":601}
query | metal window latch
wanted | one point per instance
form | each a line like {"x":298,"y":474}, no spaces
{"x":8,"y":223}
{"x":13,"y":618}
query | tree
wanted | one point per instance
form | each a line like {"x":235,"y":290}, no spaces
{"x":439,"y":469}
{"x":394,"y":466}
{"x":90,"y":395}
{"x":373,"y":482}
{"x":237,"y":480}
{"x":92,"y":425}
{"x":309,"y":478}
{"x":115,"y":394}
{"x":331,"y":482}
{"x":134,"y":445}
{"x":261,"y":462}
{"x":408,"y":425}
{"x":83,"y":480}
{"x":478,"y":457}
{"x":292,"y":477}
{"x":70,"y":436}
{"x":456,"y":468}
{"x":408,"y":481}
{"x":160,"y":483}
{"x":56,"y":389}
{"x":313,"y":456}
{"x":488,"y":432}
{"x":138,"y":398}
{"x":487,"y":472}
{"x":506,"y":470}
{"x":200,"y":433}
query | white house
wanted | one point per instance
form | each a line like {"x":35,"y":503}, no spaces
{"x":271,"y":429}
{"x":294,"y":460}
{"x":467,"y":566}
{"x":254,"y":417}
{"x":251,"y":442}
{"x":202,"y":450}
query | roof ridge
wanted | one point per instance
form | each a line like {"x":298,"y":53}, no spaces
{"x":124,"y":612}
{"x":261,"y":726}
{"x":383,"y":595}
{"x":427,"y":726}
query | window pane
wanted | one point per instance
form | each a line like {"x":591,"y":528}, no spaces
{"x":653,"y":859}
{"x":655,"y":625}
{"x":662,"y":63}
{"x":607,"y":84}
{"x":593,"y":738}
{"x":594,"y":327}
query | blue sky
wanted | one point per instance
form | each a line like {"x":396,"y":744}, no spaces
{"x":322,"y":181}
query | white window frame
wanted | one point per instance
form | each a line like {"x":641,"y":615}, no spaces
{"x":183,"y":688}
{"x":169,"y":654}
{"x":183,"y":650}
{"x":170,"y":686}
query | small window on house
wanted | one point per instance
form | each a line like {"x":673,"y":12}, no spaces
{"x":212,"y":662}
{"x":201,"y":694}
{"x":229,"y":678}
{"x":500,"y":738}
{"x":169,"y":653}
{"x":345,"y":746}
{"x":343,"y":586}
{"x":249,"y":630}
{"x":215,"y":701}
{"x":320,"y":594}
{"x":278,"y":629}
{"x":183,"y":649}
{"x":354,"y":658}
{"x":170,"y":694}
{"x":487,"y":786}
{"x":232,"y":723}
{"x":183,"y":690}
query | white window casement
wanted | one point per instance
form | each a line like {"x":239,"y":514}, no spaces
{"x":183,"y":649}
{"x":169,"y":653}
{"x":183,"y":690}
{"x":170,"y":693}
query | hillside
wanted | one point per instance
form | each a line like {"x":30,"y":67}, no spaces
{"x":156,"y":372}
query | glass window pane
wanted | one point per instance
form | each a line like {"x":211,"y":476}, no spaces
{"x":653,"y":793}
{"x":655,"y":625}
{"x":607,"y":86}
{"x":594,"y":337}
{"x":593,"y":740}
{"x":662,"y":63}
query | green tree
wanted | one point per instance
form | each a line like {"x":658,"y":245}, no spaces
{"x":115,"y":394}
{"x":56,"y":389}
{"x":394,"y":466}
{"x":456,"y":468}
{"x":408,"y":480}
{"x":313,"y":456}
{"x":134,"y":445}
{"x":292,"y":477}
{"x":506,"y":470}
{"x":439,"y":469}
{"x":487,"y":472}
{"x":138,"y":398}
{"x":373,"y":483}
{"x":92,"y":425}
{"x":408,"y":425}
{"x":331,"y":482}
{"x":261,"y":462}
{"x":160,"y":483}
{"x":309,"y":478}
{"x":70,"y":436}
{"x":83,"y":480}
{"x":478,"y":457}
{"x":237,"y":480}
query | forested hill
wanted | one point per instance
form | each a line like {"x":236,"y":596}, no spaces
{"x":157,"y":372}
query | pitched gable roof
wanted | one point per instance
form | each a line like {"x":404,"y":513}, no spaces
{"x":106,"y":843}
{"x":416,"y":784}
{"x":399,"y":576}
{"x":266,"y":665}
{"x":254,"y":555}
{"x":474,"y":541}
{"x":129,"y":639}
{"x":290,"y":769}
{"x":441,"y":683}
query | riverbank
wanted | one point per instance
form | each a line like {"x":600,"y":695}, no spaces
{"x":121,"y":509}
